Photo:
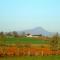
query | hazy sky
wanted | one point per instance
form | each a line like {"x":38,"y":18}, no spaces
{"x":27,"y":14}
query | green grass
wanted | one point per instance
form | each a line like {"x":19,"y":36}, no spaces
{"x":31,"y":58}
{"x":24,"y":40}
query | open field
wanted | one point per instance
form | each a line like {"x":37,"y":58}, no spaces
{"x":14,"y":40}
{"x":13,"y":52}
{"x":31,"y":58}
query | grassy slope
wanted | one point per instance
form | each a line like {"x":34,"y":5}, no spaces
{"x":25,"y":40}
{"x":31,"y":58}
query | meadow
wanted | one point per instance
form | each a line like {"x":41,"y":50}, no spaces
{"x":31,"y":58}
{"x":24,"y":40}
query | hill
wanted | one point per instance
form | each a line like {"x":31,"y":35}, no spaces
{"x":37,"y":31}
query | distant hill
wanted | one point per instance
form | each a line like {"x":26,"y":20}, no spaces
{"x":37,"y":31}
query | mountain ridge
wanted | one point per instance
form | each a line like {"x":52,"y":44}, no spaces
{"x":37,"y":31}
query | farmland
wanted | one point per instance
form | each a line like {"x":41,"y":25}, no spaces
{"x":14,"y":40}
{"x":26,"y":48}
{"x":31,"y":58}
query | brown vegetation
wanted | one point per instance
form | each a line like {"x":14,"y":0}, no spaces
{"x":30,"y":51}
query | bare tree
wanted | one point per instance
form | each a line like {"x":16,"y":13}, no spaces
{"x":2,"y":34}
{"x":54,"y":41}
{"x":2,"y":38}
{"x":9,"y":34}
{"x":23,"y":34}
{"x":15,"y":34}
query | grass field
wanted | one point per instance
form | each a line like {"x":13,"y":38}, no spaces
{"x":24,"y":40}
{"x":31,"y":58}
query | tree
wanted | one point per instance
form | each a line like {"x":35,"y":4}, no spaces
{"x":2,"y":38}
{"x":54,"y":41}
{"x":23,"y":34}
{"x":9,"y":34}
{"x":15,"y":34}
{"x":40,"y":35}
{"x":2,"y":34}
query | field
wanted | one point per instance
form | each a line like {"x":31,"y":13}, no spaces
{"x":26,"y":40}
{"x":31,"y":58}
{"x":14,"y":40}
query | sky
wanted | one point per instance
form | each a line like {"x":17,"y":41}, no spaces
{"x":16,"y":15}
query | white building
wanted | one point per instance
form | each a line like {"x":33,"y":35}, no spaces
{"x":28,"y":35}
